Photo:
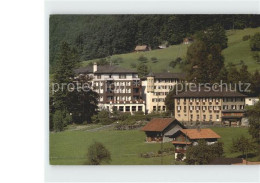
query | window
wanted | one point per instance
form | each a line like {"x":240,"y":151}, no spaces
{"x":134,"y":108}
{"x":210,"y":117}
{"x":127,"y":108}
{"x":204,"y":117}
{"x":198,"y":117}
{"x":241,"y":106}
{"x":164,"y":108}
{"x":101,"y":98}
{"x":159,"y":108}
{"x":154,"y":108}
{"x":121,"y":108}
{"x":140,"y":108}
{"x":178,"y":108}
{"x":98,"y":76}
{"x":122,"y":76}
{"x":217,"y":117}
{"x":233,"y":106}
{"x":225,"y":107}
{"x":191,"y":116}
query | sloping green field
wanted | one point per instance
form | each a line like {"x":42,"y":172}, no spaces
{"x":70,"y":147}
{"x":237,"y":50}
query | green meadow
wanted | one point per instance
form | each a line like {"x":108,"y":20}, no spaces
{"x":70,"y":147}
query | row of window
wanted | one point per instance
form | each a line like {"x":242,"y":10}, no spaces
{"x":118,"y":98}
{"x":211,"y":99}
{"x":128,"y":108}
{"x":158,"y":100}
{"x":204,"y":117}
{"x":159,"y":108}
{"x":204,"y":108}
{"x":169,"y":87}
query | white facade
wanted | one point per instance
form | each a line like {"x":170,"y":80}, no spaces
{"x":249,"y":101}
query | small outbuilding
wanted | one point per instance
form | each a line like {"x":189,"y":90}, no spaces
{"x":162,"y":129}
{"x":141,"y":48}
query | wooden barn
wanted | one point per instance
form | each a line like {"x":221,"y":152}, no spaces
{"x":161,"y":129}
{"x":141,"y":48}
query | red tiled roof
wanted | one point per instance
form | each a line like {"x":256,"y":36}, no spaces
{"x":200,"y":134}
{"x":157,"y":124}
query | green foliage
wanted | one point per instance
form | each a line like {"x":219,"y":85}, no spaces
{"x":97,"y":36}
{"x":102,"y":117}
{"x":154,"y":59}
{"x":98,"y":154}
{"x":202,"y":153}
{"x":256,"y":56}
{"x":133,"y":65}
{"x":246,"y":37}
{"x":213,"y":36}
{"x":142,"y":59}
{"x":255,"y":42}
{"x":83,"y":101}
{"x":253,"y":114}
{"x":142,"y":70}
{"x":204,"y":59}
{"x":58,"y":121}
{"x":243,"y":145}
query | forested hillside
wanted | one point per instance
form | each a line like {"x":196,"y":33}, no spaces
{"x":98,"y":36}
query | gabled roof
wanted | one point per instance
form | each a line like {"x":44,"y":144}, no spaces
{"x":208,"y":92}
{"x":84,"y":70}
{"x":107,"y":69}
{"x":104,"y":69}
{"x":140,"y":47}
{"x":158,"y":124}
{"x":200,"y":133}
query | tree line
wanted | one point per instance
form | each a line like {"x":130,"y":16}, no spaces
{"x":98,"y":36}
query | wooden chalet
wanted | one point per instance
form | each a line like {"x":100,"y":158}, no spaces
{"x":187,"y":137}
{"x":161,"y":129}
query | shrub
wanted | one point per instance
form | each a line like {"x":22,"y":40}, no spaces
{"x":58,"y":121}
{"x":142,"y":59}
{"x":246,"y":37}
{"x":97,"y":154}
{"x":255,"y":42}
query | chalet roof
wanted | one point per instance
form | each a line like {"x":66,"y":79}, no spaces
{"x":141,"y":48}
{"x":200,"y":134}
{"x":225,"y":161}
{"x":204,"y":92}
{"x":168,"y":75}
{"x":158,"y":124}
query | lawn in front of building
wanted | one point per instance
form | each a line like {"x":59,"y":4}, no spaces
{"x":70,"y":147}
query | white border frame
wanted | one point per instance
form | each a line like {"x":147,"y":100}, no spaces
{"x":144,"y":173}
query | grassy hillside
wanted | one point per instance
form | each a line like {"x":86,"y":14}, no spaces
{"x":237,"y":50}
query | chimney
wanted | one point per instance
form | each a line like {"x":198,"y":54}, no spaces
{"x":95,"y":67}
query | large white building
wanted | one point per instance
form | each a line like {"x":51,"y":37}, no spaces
{"x":119,"y":89}
{"x":155,"y":88}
